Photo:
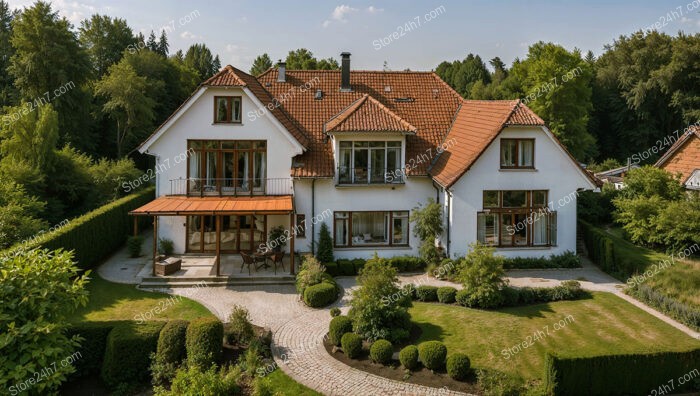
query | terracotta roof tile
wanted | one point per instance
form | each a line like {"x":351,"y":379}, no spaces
{"x":684,"y":155}
{"x":368,"y":115}
{"x":424,"y":101}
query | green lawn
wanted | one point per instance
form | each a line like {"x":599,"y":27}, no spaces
{"x":680,"y":280}
{"x":604,"y":324}
{"x":116,"y":301}
{"x":284,"y":385}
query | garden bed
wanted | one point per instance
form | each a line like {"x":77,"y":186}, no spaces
{"x":421,"y":376}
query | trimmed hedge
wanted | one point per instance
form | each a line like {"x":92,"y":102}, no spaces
{"x":95,"y":235}
{"x":433,"y":354}
{"x":320,"y":294}
{"x":381,"y":352}
{"x":565,"y":260}
{"x":601,"y":249}
{"x":331,"y":268}
{"x":407,"y":263}
{"x":359,"y":264}
{"x":337,"y":329}
{"x":408,"y":357}
{"x":171,"y":342}
{"x":427,"y":293}
{"x":127,"y":353}
{"x":346,"y":267}
{"x":458,"y":366}
{"x":446,"y":294}
{"x":462,"y":297}
{"x":92,"y":346}
{"x":204,"y":341}
{"x":600,"y":375}
{"x":352,"y":345}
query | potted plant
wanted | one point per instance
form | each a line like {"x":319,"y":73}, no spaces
{"x":277,"y":238}
{"x":165,"y":246}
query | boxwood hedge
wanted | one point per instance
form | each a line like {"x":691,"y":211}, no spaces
{"x":204,"y":341}
{"x":92,"y":346}
{"x":127,"y":353}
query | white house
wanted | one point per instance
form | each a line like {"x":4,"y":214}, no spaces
{"x":357,"y":150}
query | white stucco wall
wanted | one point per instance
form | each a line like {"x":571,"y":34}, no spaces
{"x":330,"y":198}
{"x":197,"y":122}
{"x":554,"y":171}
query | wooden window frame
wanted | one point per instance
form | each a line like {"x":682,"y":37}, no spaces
{"x":229,"y":113}
{"x":390,"y":232}
{"x":517,"y":154}
{"x":529,"y":210}
{"x":300,"y":225}
{"x":220,"y":151}
{"x":237,"y":230}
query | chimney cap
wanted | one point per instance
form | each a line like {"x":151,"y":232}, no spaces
{"x":345,"y":54}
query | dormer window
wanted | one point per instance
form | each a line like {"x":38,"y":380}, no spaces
{"x":517,"y":153}
{"x":227,"y":109}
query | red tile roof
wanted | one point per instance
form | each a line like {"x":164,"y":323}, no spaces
{"x":181,"y":205}
{"x":368,"y":115}
{"x":424,"y":101}
{"x":477,"y":124}
{"x":684,"y":155}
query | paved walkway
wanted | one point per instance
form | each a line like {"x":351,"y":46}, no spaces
{"x":298,"y":330}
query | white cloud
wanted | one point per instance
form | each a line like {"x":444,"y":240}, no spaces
{"x":686,"y":20}
{"x":189,"y":35}
{"x":339,"y":14}
{"x":374,"y":10}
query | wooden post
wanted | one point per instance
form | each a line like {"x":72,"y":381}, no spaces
{"x":291,"y":243}
{"x":218,"y":245}
{"x":155,"y":242}
{"x":136,"y":226}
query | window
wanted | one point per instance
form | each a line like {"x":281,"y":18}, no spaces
{"x":369,"y":162}
{"x":517,"y":153}
{"x":361,"y":229}
{"x":300,"y":226}
{"x":516,"y":218}
{"x":227,"y":167}
{"x":227,"y":109}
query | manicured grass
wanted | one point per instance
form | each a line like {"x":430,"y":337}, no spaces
{"x":284,"y":385}
{"x":680,"y":280}
{"x":603,"y":324}
{"x":116,"y":301}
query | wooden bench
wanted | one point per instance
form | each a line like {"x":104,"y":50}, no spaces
{"x":168,"y":266}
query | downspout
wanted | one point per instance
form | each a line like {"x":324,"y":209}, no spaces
{"x":449,"y":210}
{"x":313,"y":216}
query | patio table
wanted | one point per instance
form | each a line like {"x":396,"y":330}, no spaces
{"x":264,"y":256}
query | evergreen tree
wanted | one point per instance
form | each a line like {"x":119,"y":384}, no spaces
{"x":325,"y":245}
{"x":200,"y":59}
{"x":104,"y":39}
{"x":163,"y":44}
{"x":7,"y":90}
{"x":152,"y":43}
{"x":260,"y":64}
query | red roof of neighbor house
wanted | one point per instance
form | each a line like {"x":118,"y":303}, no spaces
{"x":181,"y":205}
{"x":368,"y":115}
{"x":477,"y":124}
{"x":684,"y":155}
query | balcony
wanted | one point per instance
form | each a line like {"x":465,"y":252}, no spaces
{"x":369,"y":176}
{"x":208,"y":187}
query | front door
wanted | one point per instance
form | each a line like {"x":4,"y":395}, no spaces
{"x":238,"y":233}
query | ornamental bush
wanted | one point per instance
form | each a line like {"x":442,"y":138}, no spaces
{"x":204,"y":341}
{"x":458,"y":365}
{"x":408,"y":357}
{"x":239,"y":330}
{"x":446,"y":294}
{"x":311,"y":273}
{"x":324,"y":254}
{"x":170,"y":352}
{"x":321,"y":294}
{"x":133,"y":244}
{"x":427,"y":293}
{"x":462,"y":298}
{"x":352,"y":345}
{"x":483,"y":277}
{"x":339,"y":326}
{"x":346,"y":267}
{"x":381,"y":352}
{"x":432,"y":354}
{"x":92,"y":346}
{"x":335,"y":311}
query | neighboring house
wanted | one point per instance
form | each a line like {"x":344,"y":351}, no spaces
{"x":616,"y":176}
{"x":358,"y":150}
{"x":684,"y":158}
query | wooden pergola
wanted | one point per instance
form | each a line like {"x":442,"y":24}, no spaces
{"x":217,"y":207}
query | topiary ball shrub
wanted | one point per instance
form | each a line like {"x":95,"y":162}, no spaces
{"x":446,"y":294}
{"x":204,"y":342}
{"x":340,"y":325}
{"x":381,"y":352}
{"x":352,"y":345}
{"x":320,"y":295}
{"x":171,"y":342}
{"x":432,"y":354}
{"x":458,"y":365}
{"x":427,"y":293}
{"x":335,"y":311}
{"x":462,"y":298}
{"x":409,"y":357}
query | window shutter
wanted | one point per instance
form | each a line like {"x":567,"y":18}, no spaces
{"x":553,"y":228}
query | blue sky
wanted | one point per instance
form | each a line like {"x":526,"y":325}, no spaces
{"x":240,"y":30}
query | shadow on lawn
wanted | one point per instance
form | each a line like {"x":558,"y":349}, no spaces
{"x":538,"y":310}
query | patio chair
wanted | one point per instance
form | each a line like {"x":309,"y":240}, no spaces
{"x":277,"y":258}
{"x":248,"y":260}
